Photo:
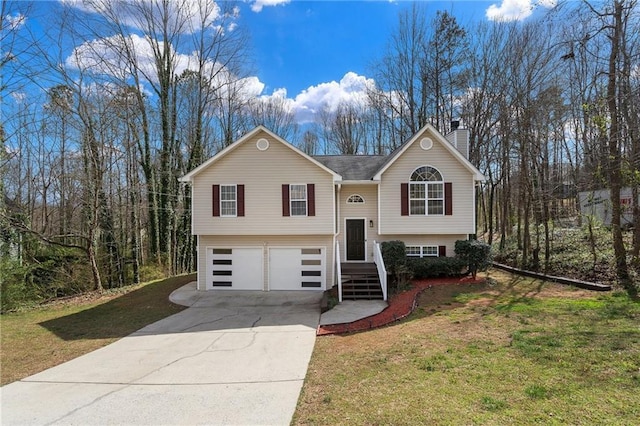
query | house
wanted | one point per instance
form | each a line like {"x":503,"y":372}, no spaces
{"x":267,"y":216}
{"x":597,"y":204}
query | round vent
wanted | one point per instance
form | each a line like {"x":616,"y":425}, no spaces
{"x":426,"y":143}
{"x":262,"y":144}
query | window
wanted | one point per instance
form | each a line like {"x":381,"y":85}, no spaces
{"x":414,"y":251}
{"x":228,"y":200}
{"x":298,"y":200}
{"x":423,"y":251}
{"x":426,"y":192}
{"x":355,"y":199}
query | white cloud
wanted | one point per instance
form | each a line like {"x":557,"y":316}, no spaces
{"x":19,"y":97}
{"x":15,"y":22}
{"x":251,"y":87}
{"x":105,"y":57}
{"x":516,"y":10}
{"x":186,"y":16}
{"x":352,"y":88}
{"x":259,"y":4}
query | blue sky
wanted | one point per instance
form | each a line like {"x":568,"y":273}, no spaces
{"x":314,"y":54}
{"x":305,"y":43}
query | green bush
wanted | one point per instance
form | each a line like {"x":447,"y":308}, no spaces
{"x":475,"y":254}
{"x":394,"y":254}
{"x":13,"y":291}
{"x":430,"y":267}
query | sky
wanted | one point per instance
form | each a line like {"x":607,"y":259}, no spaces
{"x":316,"y":53}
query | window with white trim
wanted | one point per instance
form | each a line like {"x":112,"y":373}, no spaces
{"x":228,"y":201}
{"x":355,"y":199}
{"x":298,"y":200}
{"x":426,"y":192}
{"x":422,"y":251}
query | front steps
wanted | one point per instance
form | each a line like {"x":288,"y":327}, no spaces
{"x":360,"y":281}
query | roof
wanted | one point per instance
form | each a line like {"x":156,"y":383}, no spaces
{"x":346,"y":167}
{"x":353,"y":167}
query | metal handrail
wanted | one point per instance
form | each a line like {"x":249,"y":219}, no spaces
{"x":382,"y":271}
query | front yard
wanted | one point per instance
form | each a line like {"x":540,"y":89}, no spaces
{"x":513,"y":351}
{"x":37,"y":339}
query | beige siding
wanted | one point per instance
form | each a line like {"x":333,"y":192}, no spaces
{"x":461,"y":222}
{"x":367,"y":211}
{"x":265,"y":241}
{"x":263,"y":173}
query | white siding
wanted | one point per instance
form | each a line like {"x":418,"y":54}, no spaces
{"x":263,"y":173}
{"x":463,"y":187}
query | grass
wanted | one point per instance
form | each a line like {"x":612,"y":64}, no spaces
{"x":36,"y":339}
{"x":513,"y":351}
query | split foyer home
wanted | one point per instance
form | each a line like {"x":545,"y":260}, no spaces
{"x":268,"y":217}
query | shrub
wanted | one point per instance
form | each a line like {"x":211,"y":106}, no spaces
{"x":394,"y":254}
{"x":476,"y":255}
{"x":428,"y":267}
{"x":13,"y":291}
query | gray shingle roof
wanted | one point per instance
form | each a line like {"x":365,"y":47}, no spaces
{"x":353,"y":167}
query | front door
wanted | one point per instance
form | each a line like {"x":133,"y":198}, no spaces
{"x":355,"y":239}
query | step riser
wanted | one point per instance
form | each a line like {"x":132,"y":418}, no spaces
{"x":362,"y":284}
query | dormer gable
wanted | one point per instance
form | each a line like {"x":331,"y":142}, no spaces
{"x":427,"y":136}
{"x":261,"y":144}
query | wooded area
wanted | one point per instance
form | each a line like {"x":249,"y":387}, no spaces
{"x":90,"y":173}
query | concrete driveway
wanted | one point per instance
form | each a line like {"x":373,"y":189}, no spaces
{"x":232,"y":358}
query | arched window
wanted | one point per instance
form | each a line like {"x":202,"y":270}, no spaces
{"x":426,"y":192}
{"x":355,"y":199}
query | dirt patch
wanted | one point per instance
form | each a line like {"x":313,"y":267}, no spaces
{"x":443,"y":296}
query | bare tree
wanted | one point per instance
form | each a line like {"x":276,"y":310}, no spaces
{"x":400,"y":74}
{"x":346,"y":128}
{"x":445,"y":72}
{"x":613,"y":21}
{"x":275,"y":113}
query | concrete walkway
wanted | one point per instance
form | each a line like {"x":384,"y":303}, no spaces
{"x":352,"y":310}
{"x":232,"y":358}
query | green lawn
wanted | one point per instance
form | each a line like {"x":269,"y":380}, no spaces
{"x":514,"y":351}
{"x":37,"y":339}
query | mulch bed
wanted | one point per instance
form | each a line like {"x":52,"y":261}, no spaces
{"x":400,"y":306}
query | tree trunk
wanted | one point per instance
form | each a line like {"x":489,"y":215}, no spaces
{"x":615,"y":162}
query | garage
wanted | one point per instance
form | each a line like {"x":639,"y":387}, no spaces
{"x":297,"y":268}
{"x":235,"y":268}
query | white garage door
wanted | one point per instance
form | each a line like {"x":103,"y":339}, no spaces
{"x":297,"y":269}
{"x":235,"y":268}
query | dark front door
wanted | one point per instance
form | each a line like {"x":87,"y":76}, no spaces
{"x":355,"y":239}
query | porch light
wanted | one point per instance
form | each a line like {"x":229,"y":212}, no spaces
{"x":370,"y":223}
